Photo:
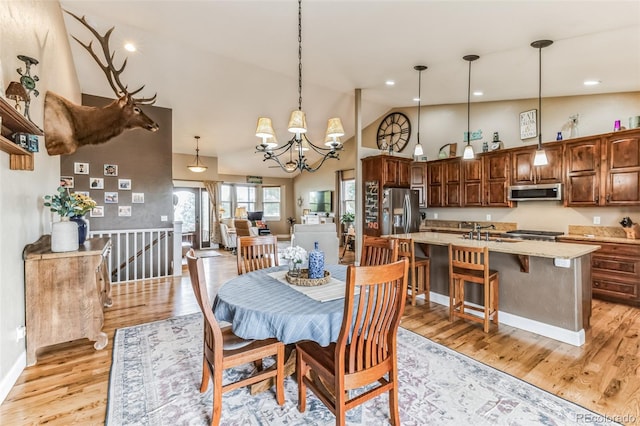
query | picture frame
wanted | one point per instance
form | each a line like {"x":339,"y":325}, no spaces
{"x":85,"y":193}
{"x":124,"y":184}
{"x":529,"y":124}
{"x":111,"y":198}
{"x":67,"y":181}
{"x":81,"y":168}
{"x":124,"y":210}
{"x":111,"y":170}
{"x":97,"y":211}
{"x":96,"y":183}
{"x":137,"y":197}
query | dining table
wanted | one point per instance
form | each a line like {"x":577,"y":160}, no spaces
{"x":262,"y":304}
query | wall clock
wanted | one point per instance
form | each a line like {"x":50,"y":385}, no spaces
{"x":394,"y":132}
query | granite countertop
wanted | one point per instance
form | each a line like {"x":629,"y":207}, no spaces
{"x":599,"y":234}
{"x":504,"y":245}
{"x":601,"y":239}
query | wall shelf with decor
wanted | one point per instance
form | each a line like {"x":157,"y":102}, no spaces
{"x":12,"y":122}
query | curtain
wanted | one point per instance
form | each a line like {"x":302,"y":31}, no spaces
{"x":339,"y":203}
{"x":213,"y":188}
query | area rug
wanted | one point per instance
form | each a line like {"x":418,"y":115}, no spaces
{"x":155,"y":380}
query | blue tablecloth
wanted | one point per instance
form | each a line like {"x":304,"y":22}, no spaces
{"x":259,"y":307}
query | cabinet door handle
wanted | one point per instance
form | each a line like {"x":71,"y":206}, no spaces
{"x":596,"y":283}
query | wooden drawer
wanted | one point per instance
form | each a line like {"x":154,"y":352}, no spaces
{"x":622,"y":266}
{"x":614,"y":288}
{"x":618,"y":249}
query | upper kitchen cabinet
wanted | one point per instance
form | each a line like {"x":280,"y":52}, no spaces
{"x":418,"y":181}
{"x":604,"y":170}
{"x":525,"y":173}
{"x":392,"y":172}
{"x":444,"y":188}
{"x":486,"y":180}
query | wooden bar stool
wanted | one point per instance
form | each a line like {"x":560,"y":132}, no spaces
{"x":471,"y":265}
{"x":419,"y":270}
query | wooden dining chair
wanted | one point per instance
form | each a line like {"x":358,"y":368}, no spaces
{"x":419,"y":270}
{"x":366,"y":348}
{"x":378,"y":250}
{"x":255,"y":253}
{"x":223,"y":349}
{"x":471,"y":265}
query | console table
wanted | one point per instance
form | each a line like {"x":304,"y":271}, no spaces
{"x":65,"y":294}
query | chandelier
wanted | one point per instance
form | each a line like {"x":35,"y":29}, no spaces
{"x":291,"y":156}
{"x":197,"y":166}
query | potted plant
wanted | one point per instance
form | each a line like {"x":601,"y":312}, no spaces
{"x":348,"y":218}
{"x":65,"y":234}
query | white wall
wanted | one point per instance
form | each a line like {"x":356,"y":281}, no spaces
{"x":36,"y":29}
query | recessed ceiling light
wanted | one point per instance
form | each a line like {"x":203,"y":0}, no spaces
{"x":130,"y":47}
{"x":592,"y":82}
{"x":390,"y":83}
{"x":478,"y":93}
{"x":416,"y":99}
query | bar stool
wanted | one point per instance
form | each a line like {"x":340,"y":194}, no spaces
{"x":471,"y":265}
{"x":419,"y":270}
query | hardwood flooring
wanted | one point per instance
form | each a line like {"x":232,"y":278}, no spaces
{"x":69,"y":383}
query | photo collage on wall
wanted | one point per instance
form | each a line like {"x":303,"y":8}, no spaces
{"x":96,"y":186}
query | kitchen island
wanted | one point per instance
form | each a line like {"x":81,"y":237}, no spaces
{"x":545,"y":287}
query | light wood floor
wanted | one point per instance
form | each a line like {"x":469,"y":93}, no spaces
{"x":69,"y":383}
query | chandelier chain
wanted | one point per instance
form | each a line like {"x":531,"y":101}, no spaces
{"x":300,"y":55}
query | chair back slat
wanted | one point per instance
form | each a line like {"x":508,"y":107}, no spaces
{"x":371,"y":320}
{"x":254,"y":253}
{"x":213,"y":340}
{"x":378,"y":251}
{"x":473,"y":258}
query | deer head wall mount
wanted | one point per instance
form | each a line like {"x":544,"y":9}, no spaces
{"x":68,"y":126}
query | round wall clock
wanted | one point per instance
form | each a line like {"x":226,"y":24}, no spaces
{"x":394,"y":132}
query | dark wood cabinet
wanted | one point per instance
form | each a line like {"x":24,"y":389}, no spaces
{"x":525,"y":173}
{"x":603,"y":170}
{"x":418,"y":181}
{"x":472,"y":188}
{"x":392,"y":172}
{"x":435,"y":184}
{"x":444,"y":188}
{"x":486,"y":180}
{"x":615,"y":271}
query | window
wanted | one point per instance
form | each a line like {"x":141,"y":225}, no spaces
{"x":271,"y":202}
{"x":246,"y":197}
{"x":225,"y":202}
{"x":349,"y":196}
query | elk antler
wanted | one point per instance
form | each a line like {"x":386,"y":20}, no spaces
{"x":110,"y":71}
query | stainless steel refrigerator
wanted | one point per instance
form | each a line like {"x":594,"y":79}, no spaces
{"x":400,"y":212}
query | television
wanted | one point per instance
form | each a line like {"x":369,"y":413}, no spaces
{"x":253,"y":216}
{"x":321,"y":201}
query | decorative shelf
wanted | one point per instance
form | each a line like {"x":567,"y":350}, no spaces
{"x":12,"y":122}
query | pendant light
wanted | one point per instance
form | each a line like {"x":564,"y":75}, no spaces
{"x":540,"y":158}
{"x":197,"y":167}
{"x":418,"y":151}
{"x":468,"y":150}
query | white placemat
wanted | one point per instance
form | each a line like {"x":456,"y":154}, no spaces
{"x":333,"y":290}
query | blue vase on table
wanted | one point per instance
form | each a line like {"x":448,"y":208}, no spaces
{"x":316,"y":262}
{"x":82,"y":228}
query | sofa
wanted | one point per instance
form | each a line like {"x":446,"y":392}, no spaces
{"x":326,"y":236}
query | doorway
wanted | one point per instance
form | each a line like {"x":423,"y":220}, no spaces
{"x":191,"y":206}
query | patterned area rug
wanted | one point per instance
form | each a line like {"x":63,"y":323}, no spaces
{"x":155,"y":380}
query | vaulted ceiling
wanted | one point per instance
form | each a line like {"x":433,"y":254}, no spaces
{"x":219,"y":65}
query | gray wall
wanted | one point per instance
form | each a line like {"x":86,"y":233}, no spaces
{"x":143,"y":157}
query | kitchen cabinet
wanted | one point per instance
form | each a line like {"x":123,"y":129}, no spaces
{"x":615,"y":271}
{"x":444,"y":188}
{"x":12,"y":122}
{"x":418,"y":181}
{"x":435,"y":183}
{"x":390,"y":171}
{"x":65,"y":294}
{"x":603,"y":170}
{"x":486,"y":180}
{"x":525,"y":173}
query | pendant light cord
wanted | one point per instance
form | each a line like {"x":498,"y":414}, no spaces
{"x":469,"y":107}
{"x":540,"y":97}
{"x":299,"y":55}
{"x":419,"y":101}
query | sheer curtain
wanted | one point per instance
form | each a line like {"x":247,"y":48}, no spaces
{"x":213,"y":188}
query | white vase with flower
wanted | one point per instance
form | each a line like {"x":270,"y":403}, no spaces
{"x":64,"y":234}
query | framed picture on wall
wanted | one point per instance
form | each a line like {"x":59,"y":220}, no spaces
{"x":110,"y":170}
{"x":66,"y":181}
{"x":81,"y":168}
{"x":529,"y":124}
{"x":85,"y":193}
{"x":124,"y":210}
{"x":111,"y":197}
{"x":96,"y":183}
{"x":97,"y":211}
{"x":137,"y":197}
{"x":124,"y":184}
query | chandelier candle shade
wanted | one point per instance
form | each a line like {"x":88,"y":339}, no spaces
{"x":418,"y":151}
{"x":299,"y":144}
{"x":540,"y":158}
{"x":468,"y":153}
{"x":197,"y":166}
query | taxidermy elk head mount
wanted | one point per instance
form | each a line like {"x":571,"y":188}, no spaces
{"x":68,"y":126}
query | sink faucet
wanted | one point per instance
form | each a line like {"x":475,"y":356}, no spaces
{"x":478,"y":228}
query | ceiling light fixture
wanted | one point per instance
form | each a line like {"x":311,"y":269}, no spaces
{"x":197,"y":167}
{"x":390,"y":83}
{"x":468,"y":150}
{"x":418,"y":149}
{"x":130,"y":47}
{"x":540,"y":159}
{"x":298,"y":126}
{"x":591,"y":82}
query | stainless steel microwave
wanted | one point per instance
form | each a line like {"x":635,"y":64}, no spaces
{"x":550,"y":192}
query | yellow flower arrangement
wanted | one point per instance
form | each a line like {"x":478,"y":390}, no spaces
{"x":67,"y":204}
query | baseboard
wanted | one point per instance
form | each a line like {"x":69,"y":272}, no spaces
{"x":7,"y":382}
{"x":575,"y":338}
